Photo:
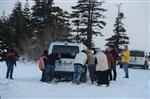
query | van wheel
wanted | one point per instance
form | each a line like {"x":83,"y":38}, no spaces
{"x":83,"y":76}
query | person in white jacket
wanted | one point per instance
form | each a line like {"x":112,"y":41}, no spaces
{"x":79,"y":62}
{"x":102,"y":69}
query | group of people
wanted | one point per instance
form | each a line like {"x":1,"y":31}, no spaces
{"x":101,"y":64}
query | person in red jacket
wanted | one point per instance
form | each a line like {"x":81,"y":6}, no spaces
{"x":114,"y":52}
{"x":10,"y":62}
{"x":110,"y":61}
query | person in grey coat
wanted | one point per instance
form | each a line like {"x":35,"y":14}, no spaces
{"x":92,"y":61}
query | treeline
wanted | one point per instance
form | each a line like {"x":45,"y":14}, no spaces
{"x":30,"y":30}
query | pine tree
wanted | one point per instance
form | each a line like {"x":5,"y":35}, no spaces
{"x":2,"y":46}
{"x":119,"y":37}
{"x":3,"y":43}
{"x":17,"y":24}
{"x":61,"y":23}
{"x":87,"y":16}
{"x":27,"y":19}
{"x":46,"y":15}
{"x":41,"y":14}
{"x":49,"y":23}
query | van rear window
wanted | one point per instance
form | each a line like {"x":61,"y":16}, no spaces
{"x":137,"y":53}
{"x":66,"y":51}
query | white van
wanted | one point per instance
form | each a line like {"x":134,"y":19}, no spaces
{"x":139,"y":58}
{"x":64,"y":68}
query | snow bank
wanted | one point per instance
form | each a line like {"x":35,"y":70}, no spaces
{"x":26,"y":85}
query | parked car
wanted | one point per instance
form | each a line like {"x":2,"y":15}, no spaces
{"x":64,"y":67}
{"x":139,"y":58}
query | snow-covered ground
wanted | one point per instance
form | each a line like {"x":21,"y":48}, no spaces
{"x":26,"y":85}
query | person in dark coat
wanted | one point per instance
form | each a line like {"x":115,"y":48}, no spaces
{"x":115,"y":55}
{"x":110,"y":61}
{"x":50,"y":66}
{"x":10,"y":62}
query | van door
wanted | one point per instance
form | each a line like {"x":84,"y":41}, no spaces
{"x":68,"y":53}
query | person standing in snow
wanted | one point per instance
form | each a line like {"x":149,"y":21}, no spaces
{"x":10,"y":62}
{"x":102,"y":69}
{"x":110,"y":61}
{"x":125,"y":61}
{"x":114,"y":52}
{"x":42,"y":64}
{"x":92,"y":61}
{"x":79,"y":62}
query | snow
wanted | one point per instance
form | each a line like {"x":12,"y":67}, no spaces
{"x":26,"y":85}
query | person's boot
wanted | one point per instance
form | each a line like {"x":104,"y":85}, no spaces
{"x":12,"y":78}
{"x":74,"y":81}
{"x":77,"y":82}
{"x":127,"y":76}
{"x":6,"y":76}
{"x":114,"y":79}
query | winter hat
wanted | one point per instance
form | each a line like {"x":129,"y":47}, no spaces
{"x":92,"y":51}
{"x":98,"y":49}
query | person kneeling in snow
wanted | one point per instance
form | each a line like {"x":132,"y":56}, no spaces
{"x":79,"y":62}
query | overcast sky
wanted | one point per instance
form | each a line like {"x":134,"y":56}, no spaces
{"x":137,"y":21}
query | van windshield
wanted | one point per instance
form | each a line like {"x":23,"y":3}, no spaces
{"x":137,"y":53}
{"x":66,"y":51}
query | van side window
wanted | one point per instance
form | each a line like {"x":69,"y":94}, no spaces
{"x":137,"y":53}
